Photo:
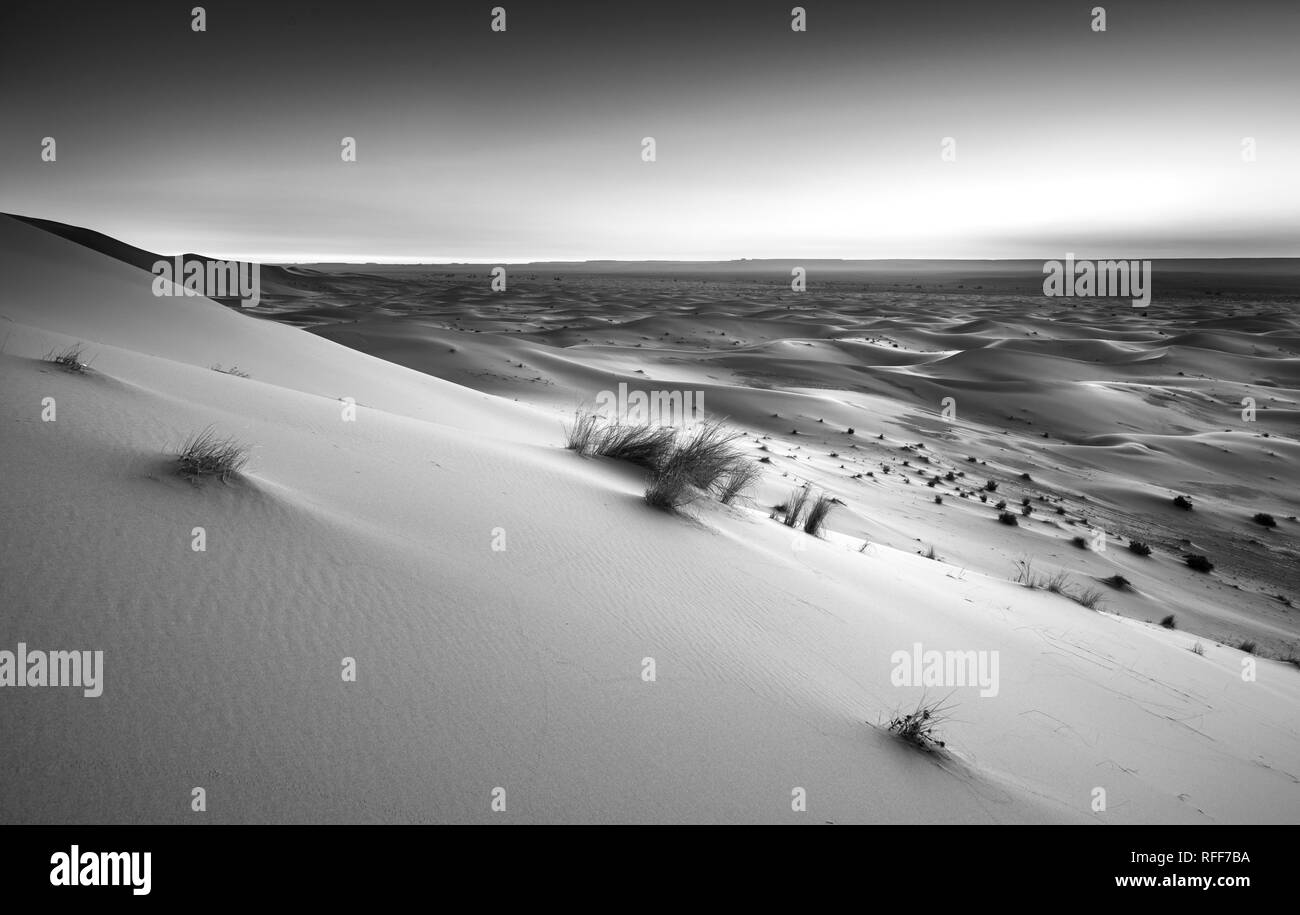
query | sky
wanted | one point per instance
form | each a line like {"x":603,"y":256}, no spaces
{"x":527,"y":144}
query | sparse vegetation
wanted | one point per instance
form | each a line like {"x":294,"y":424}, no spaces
{"x":919,"y":727}
{"x":1088,"y":597}
{"x":1183,"y":502}
{"x":206,"y":454}
{"x":1118,"y":582}
{"x":1008,"y":518}
{"x":233,"y":370}
{"x":1138,"y":548}
{"x":1198,"y":649}
{"x":668,"y":490}
{"x":1198,"y":562}
{"x":69,"y":359}
{"x":1247,"y":646}
{"x":817,"y":512}
{"x":1168,"y":622}
{"x":991,"y":486}
{"x":1265,"y":519}
{"x":737,"y":480}
{"x":794,"y":507}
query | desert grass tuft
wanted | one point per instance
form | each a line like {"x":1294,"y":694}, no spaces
{"x":206,"y":454}
{"x":817,"y":512}
{"x":69,"y":359}
{"x":794,"y":506}
{"x":920,"y":726}
{"x":738,"y":479}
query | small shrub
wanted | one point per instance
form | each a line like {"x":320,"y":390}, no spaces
{"x":581,"y":436}
{"x":668,"y":490}
{"x":1198,"y":562}
{"x":793,"y":508}
{"x":1183,"y":502}
{"x":1118,"y":582}
{"x":69,"y":359}
{"x":205,"y":454}
{"x":1080,"y":541}
{"x":645,"y":446}
{"x":990,"y":486}
{"x":1198,"y":649}
{"x":1026,"y":510}
{"x":1168,"y":622}
{"x":233,"y":370}
{"x":1089,"y":597}
{"x":919,"y":727}
{"x":1139,"y":548}
{"x":1008,"y":518}
{"x":1247,"y":646}
{"x":817,"y":512}
{"x":1057,"y":584}
{"x":706,"y":457}
{"x":938,"y":499}
{"x":738,"y":479}
{"x":1265,"y":519}
{"x":1002,"y":503}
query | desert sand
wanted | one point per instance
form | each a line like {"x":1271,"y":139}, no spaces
{"x":524,"y":668}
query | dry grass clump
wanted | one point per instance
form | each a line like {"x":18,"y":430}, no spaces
{"x":206,"y":454}
{"x":69,"y":359}
{"x":920,"y":726}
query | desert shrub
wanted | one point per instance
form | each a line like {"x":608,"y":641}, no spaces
{"x":990,"y":486}
{"x":817,"y":512}
{"x":1058,"y":583}
{"x":737,"y":480}
{"x":233,"y":370}
{"x":645,"y":446}
{"x":706,"y":457}
{"x":668,"y":490}
{"x":582,"y":435}
{"x":1168,"y":622}
{"x":1139,"y":548}
{"x":919,"y":727}
{"x":1118,"y":582}
{"x":794,"y":506}
{"x":1183,"y":502}
{"x":1080,"y":541}
{"x":1008,"y":518}
{"x":1198,"y":649}
{"x":1026,"y":510}
{"x":938,"y":499}
{"x":1089,"y":597}
{"x":69,"y":359}
{"x":206,"y":454}
{"x":1265,"y":519}
{"x":1247,"y":646}
{"x":1198,"y":562}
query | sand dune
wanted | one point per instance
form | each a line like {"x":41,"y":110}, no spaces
{"x":523,"y":668}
